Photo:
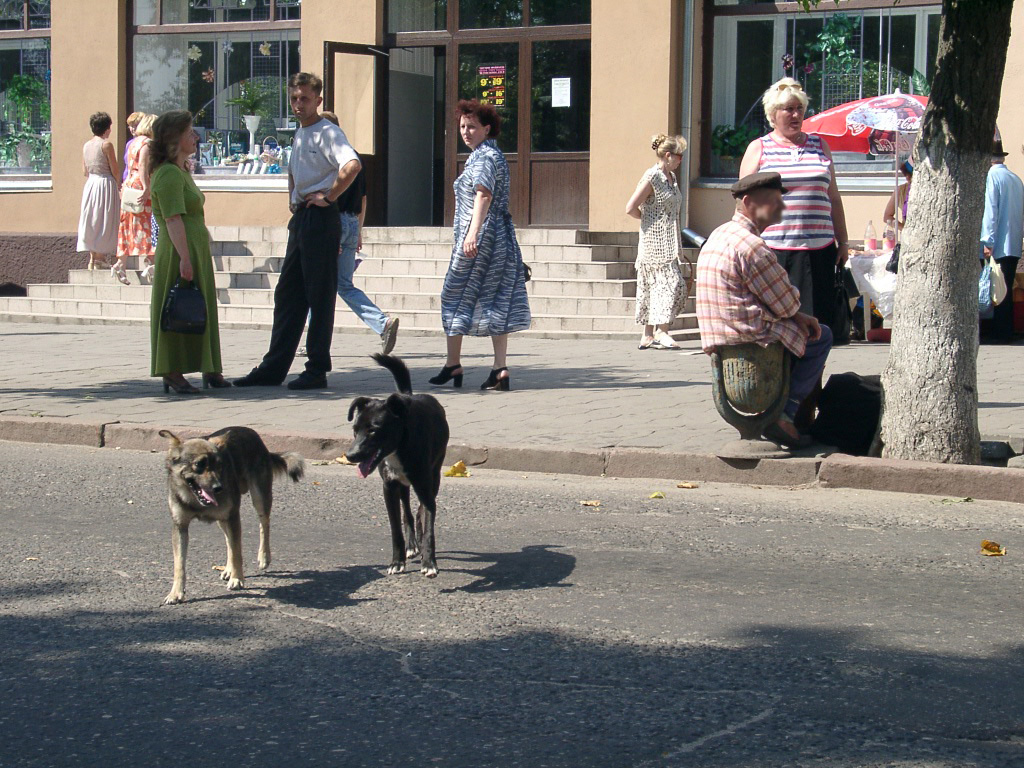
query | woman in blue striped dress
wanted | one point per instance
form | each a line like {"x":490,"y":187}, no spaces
{"x":484,"y":292}
{"x":812,"y":239}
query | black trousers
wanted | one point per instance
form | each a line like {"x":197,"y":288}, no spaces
{"x":813,"y":273}
{"x":1000,"y":326}
{"x":308,"y":286}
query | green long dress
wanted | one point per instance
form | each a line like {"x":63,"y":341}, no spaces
{"x":175,"y":193}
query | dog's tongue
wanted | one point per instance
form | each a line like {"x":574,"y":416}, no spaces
{"x":363,"y":468}
{"x":205,"y":496}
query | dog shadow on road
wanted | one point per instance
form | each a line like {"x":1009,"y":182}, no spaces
{"x":321,"y":589}
{"x":533,"y":567}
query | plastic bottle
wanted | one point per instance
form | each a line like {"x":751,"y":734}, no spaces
{"x":889,"y":237}
{"x":870,"y":238}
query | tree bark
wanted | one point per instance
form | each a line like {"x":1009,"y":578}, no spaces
{"x":930,"y":381}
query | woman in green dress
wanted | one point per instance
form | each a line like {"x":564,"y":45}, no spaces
{"x":183,"y":250}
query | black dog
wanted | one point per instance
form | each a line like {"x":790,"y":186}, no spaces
{"x":407,"y":437}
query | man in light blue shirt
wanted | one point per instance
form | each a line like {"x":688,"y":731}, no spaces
{"x":1002,"y":234}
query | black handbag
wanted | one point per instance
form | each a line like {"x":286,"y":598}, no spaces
{"x":185,"y":309}
{"x":894,"y":260}
{"x":842,"y":318}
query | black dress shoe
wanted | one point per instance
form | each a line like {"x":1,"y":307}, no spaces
{"x":255,"y":379}
{"x":309,"y":381}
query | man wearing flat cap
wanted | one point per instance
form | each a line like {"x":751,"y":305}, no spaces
{"x":744,"y":295}
{"x":1002,"y":230}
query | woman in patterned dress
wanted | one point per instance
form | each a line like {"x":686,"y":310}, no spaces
{"x":134,"y":237}
{"x":657,"y":202}
{"x":484,"y":292}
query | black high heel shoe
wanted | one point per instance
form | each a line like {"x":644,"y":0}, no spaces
{"x":446,"y":375}
{"x":179,"y":389}
{"x":215,"y":381}
{"x":493,"y":382}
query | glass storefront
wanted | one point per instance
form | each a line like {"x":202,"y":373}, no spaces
{"x":215,"y":11}
{"x":490,"y":72}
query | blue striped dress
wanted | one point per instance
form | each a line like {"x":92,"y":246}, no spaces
{"x":485,"y":295}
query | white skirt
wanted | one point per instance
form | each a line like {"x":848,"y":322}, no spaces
{"x":101,"y":215}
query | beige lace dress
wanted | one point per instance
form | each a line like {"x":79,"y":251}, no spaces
{"x":660,"y":282}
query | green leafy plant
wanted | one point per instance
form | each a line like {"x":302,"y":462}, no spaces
{"x":251,"y":97}
{"x":833,"y":44}
{"x":729,"y":141}
{"x":26,"y":93}
{"x":921,"y":84}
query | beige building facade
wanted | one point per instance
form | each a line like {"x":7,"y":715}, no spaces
{"x":583,"y":87}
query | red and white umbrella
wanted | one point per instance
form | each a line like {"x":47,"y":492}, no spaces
{"x":869,"y":126}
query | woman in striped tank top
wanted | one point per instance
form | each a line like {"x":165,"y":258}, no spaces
{"x":812,"y":239}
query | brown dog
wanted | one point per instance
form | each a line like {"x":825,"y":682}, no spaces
{"x":206,"y":479}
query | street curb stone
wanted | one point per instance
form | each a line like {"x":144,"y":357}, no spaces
{"x":957,"y":480}
{"x":835,"y":471}
{"x":27,"y":429}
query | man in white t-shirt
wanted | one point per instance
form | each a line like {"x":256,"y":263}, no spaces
{"x":323,"y":165}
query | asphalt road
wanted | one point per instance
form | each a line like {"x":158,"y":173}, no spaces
{"x":720,"y":626}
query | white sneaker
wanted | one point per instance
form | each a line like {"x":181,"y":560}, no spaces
{"x":390,"y":335}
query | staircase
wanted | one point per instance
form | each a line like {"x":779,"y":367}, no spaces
{"x":583,"y":284}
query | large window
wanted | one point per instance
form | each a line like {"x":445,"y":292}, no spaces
{"x":24,"y":87}
{"x":234,"y":81}
{"x":430,"y":15}
{"x":839,"y":56}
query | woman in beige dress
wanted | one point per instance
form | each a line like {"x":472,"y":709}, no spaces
{"x":657,"y":202}
{"x":101,"y":198}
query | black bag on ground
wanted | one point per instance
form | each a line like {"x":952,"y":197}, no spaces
{"x":842,"y":316}
{"x":185,"y":309}
{"x":848,"y":412}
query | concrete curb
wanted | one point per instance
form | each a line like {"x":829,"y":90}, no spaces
{"x":836,"y":471}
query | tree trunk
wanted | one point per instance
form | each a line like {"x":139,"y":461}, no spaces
{"x":930,"y":381}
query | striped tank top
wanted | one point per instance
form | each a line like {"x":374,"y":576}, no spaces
{"x":806,"y":172}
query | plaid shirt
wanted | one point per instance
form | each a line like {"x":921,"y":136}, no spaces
{"x":743,"y":294}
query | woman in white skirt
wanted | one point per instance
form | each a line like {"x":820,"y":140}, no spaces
{"x":657,"y":202}
{"x":101,"y":198}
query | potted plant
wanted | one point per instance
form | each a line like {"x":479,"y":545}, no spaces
{"x":249,"y":101}
{"x":728,"y":144}
{"x":25,"y":94}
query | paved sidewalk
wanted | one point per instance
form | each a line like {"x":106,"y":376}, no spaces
{"x":567,"y":394}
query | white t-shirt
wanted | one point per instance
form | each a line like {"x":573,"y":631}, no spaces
{"x":318,"y":153}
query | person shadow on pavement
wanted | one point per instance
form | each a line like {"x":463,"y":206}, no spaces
{"x":533,"y":567}
{"x":323,"y":590}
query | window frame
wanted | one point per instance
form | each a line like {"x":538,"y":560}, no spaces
{"x":32,"y":182}
{"x":26,"y":30}
{"x":719,"y":51}
{"x":226,"y":182}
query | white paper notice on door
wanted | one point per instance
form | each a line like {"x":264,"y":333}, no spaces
{"x":560,"y":90}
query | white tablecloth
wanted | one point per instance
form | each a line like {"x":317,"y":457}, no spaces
{"x":873,"y":280}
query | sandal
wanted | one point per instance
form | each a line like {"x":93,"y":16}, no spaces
{"x":646,"y":342}
{"x":118,"y":271}
{"x":663,"y":341}
{"x":148,"y":270}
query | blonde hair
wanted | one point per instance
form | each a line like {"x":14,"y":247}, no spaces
{"x":133,"y":119}
{"x":330,"y":117}
{"x":779,"y":95}
{"x":663,"y":144}
{"x":145,"y":126}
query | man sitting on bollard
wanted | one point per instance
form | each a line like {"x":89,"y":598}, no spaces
{"x":744,"y":296}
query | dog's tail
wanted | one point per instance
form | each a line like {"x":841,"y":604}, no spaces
{"x":290,"y":464}
{"x":398,"y":370}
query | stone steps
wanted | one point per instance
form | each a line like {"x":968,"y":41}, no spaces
{"x":583,"y":285}
{"x":427,"y":321}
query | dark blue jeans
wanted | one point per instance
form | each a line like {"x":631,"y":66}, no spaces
{"x":805,"y":371}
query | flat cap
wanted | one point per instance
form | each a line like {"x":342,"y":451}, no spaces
{"x":762,"y":180}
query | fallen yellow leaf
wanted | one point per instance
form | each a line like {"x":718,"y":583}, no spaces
{"x":592,"y":503}
{"x":657,"y":495}
{"x":344,"y":460}
{"x":218,"y":567}
{"x":458,"y":469}
{"x":28,"y":559}
{"x":688,"y":486}
{"x":992,"y":549}
{"x":316,"y":482}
